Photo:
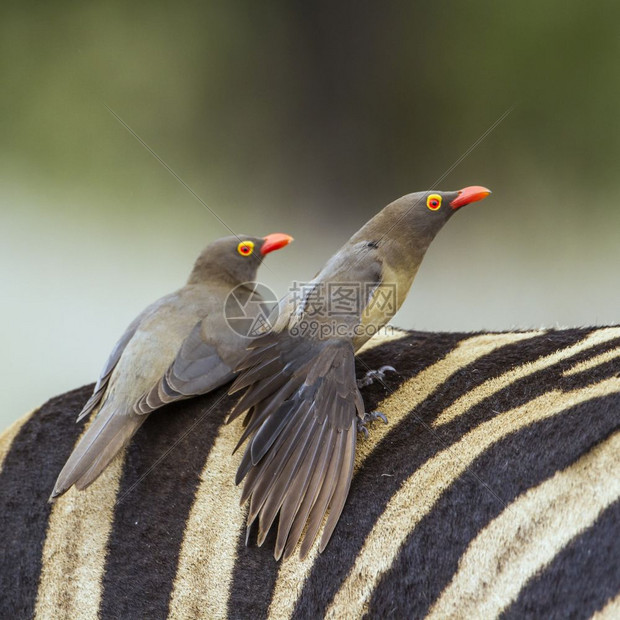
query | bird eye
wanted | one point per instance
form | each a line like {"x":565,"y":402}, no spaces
{"x":433,"y":202}
{"x":245,"y":248}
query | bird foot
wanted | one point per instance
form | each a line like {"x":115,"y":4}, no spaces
{"x":369,"y":417}
{"x":374,"y":375}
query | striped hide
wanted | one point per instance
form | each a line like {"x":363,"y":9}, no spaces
{"x":494,"y":490}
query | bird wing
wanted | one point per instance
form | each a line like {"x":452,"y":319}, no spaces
{"x":110,"y":365}
{"x":303,"y":401}
{"x":197,"y":369}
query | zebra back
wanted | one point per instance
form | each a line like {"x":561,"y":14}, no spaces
{"x":494,"y":489}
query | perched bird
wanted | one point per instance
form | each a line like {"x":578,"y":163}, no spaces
{"x":302,"y":401}
{"x":178,"y":347}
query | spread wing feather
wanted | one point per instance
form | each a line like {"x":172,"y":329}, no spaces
{"x":303,"y":402}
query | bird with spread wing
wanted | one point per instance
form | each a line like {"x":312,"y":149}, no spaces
{"x":303,"y":407}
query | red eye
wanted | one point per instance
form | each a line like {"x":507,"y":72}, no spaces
{"x":433,"y":202}
{"x":245,"y":248}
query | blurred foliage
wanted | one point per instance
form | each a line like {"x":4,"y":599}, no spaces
{"x":306,"y":118}
{"x":317,"y":100}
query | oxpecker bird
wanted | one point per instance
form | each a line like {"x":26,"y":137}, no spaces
{"x":178,"y":347}
{"x":304,"y":406}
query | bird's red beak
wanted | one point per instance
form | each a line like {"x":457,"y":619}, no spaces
{"x":470,"y":194}
{"x":275,"y":241}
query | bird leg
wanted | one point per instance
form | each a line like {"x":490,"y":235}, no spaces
{"x":373,"y":375}
{"x":369,"y":417}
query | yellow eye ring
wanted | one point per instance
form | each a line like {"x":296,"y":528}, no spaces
{"x":433,"y":202}
{"x":245,"y":248}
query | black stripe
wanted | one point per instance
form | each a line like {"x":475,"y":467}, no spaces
{"x":523,"y":460}
{"x":410,"y":444}
{"x":31,"y":466}
{"x":254,"y":575}
{"x":150,"y":518}
{"x":581,"y":579}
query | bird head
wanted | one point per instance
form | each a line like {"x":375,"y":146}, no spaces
{"x":425,"y":213}
{"x":237,"y":257}
{"x":404,"y":230}
{"x":415,"y":219}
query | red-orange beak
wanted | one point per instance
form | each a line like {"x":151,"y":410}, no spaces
{"x":470,"y":194}
{"x":275,"y":241}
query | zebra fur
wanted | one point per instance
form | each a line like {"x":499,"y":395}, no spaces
{"x":494,"y":490}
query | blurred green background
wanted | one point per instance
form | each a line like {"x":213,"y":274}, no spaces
{"x":305,"y":118}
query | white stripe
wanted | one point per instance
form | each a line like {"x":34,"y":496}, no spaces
{"x":207,"y":557}
{"x":593,"y":362}
{"x":8,"y":436}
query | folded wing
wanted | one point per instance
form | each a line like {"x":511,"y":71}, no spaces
{"x":197,"y":369}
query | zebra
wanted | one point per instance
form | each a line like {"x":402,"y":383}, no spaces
{"x":494,"y":490}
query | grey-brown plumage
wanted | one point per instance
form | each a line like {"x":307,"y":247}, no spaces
{"x":178,"y":347}
{"x":301,"y":394}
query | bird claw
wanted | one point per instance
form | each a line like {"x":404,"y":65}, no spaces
{"x":369,"y":417}
{"x":373,"y":375}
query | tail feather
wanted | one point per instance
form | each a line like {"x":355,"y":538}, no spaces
{"x":102,"y":441}
{"x":93,"y":401}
